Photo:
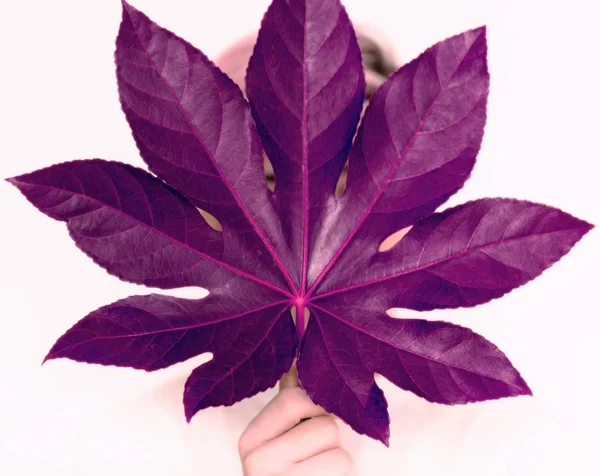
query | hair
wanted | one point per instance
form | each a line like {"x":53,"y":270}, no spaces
{"x":378,"y":61}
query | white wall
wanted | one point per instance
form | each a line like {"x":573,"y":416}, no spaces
{"x":59,"y":102}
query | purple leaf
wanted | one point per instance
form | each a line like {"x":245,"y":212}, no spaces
{"x":438,"y":361}
{"x":253,"y":344}
{"x":300,"y":246}
{"x":415,"y":148}
{"x":462,"y":257}
{"x":306,"y":86}
{"x":135,"y":227}
{"x":194,"y":130}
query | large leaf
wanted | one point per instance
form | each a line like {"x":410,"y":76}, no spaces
{"x":135,"y":227}
{"x":438,"y":361}
{"x":253,"y":344}
{"x":306,"y":86}
{"x":462,"y":257}
{"x":194,"y":130}
{"x":416,"y":146}
{"x":300,"y":245}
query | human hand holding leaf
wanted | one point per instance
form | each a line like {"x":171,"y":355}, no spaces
{"x":300,"y":245}
{"x":292,"y":435}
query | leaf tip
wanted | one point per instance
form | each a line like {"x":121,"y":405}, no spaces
{"x":479,"y":35}
{"x":478,"y":32}
{"x":582,"y":228}
{"x":48,"y":357}
{"x":128,"y":9}
{"x":522,"y":389}
{"x":12,"y":180}
{"x":587,"y":227}
{"x":21,"y":182}
{"x":383,"y":436}
{"x":188,"y":408}
{"x":189,"y":413}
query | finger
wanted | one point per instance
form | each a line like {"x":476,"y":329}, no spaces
{"x":308,"y":439}
{"x":285,"y":411}
{"x":335,"y":462}
{"x":290,"y":379}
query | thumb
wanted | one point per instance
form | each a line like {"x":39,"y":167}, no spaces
{"x":290,"y":379}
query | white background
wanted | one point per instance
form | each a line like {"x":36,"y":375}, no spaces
{"x":59,"y":102}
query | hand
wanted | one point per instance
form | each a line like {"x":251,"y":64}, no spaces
{"x":292,"y":436}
